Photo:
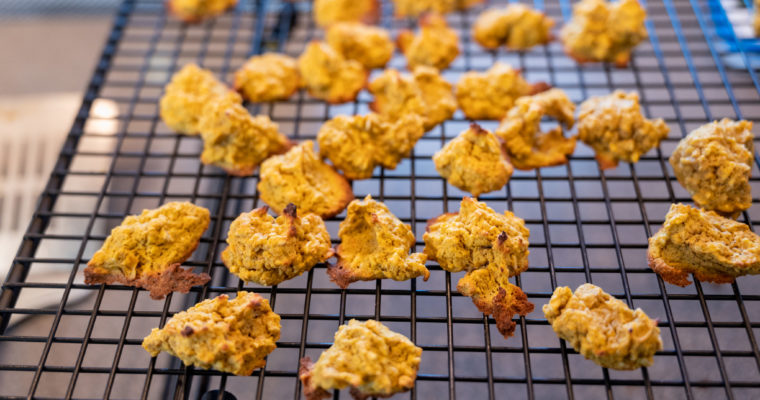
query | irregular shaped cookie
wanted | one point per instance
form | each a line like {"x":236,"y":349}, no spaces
{"x":602,"y":328}
{"x":185,"y":96}
{"x":516,"y":26}
{"x":359,"y":143}
{"x":268,"y":251}
{"x":370,"y":45}
{"x":301,"y":178}
{"x":146,"y":250}
{"x":713,"y":248}
{"x":192,"y":11}
{"x":327,"y":75}
{"x":602,"y":31}
{"x":524,"y":142}
{"x":756,"y":17}
{"x":237,"y":142}
{"x":615,"y":128}
{"x":425,"y":93}
{"x":328,"y":12}
{"x":714,"y":162}
{"x":268,"y":77}
{"x":415,"y":8}
{"x":436,"y":45}
{"x":490,"y":94}
{"x":374,"y":244}
{"x":474,"y":162}
{"x":230,"y":336}
{"x":367,"y":356}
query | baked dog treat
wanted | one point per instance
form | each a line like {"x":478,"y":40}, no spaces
{"x":329,"y":76}
{"x":703,"y":243}
{"x":714,"y":162}
{"x":602,"y":328}
{"x":230,"y":336}
{"x":415,"y":8}
{"x":370,"y":45}
{"x":375,"y":244}
{"x":490,"y":94}
{"x":146,"y":250}
{"x":269,"y":250}
{"x":185,"y":96}
{"x":359,"y":143}
{"x":237,"y":142}
{"x":520,"y":131}
{"x":268,"y":77}
{"x":192,"y":11}
{"x":474,"y":162}
{"x":436,"y":45}
{"x":328,"y":12}
{"x":602,"y":31}
{"x":516,"y":26}
{"x":301,"y":178}
{"x":425,"y":93}
{"x":367,"y":356}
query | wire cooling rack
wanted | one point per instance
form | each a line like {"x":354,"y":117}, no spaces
{"x":586,"y":225}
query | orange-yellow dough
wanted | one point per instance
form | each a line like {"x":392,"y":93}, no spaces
{"x":602,"y":31}
{"x":520,"y":131}
{"x":425,"y":93}
{"x":436,"y":45}
{"x":197,"y":10}
{"x":268,"y":77}
{"x":185,"y":96}
{"x":146,"y":250}
{"x":370,"y":45}
{"x":516,"y":26}
{"x":474,"y":162}
{"x":329,"y":76}
{"x":602,"y":328}
{"x":231,"y":336}
{"x":301,"y":178}
{"x":375,"y":244}
{"x":328,"y":12}
{"x":269,"y":250}
{"x":359,"y":143}
{"x":415,"y":8}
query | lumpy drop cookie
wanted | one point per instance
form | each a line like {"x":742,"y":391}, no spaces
{"x":516,"y":26}
{"x":416,"y":8}
{"x":197,"y":10}
{"x":268,"y":77}
{"x":436,"y":45}
{"x":329,"y":76}
{"x":328,"y":12}
{"x":370,"y":45}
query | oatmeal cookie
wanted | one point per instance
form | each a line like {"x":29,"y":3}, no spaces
{"x":415,"y":8}
{"x":192,"y":11}
{"x":367,"y":356}
{"x":185,"y":96}
{"x":328,"y":12}
{"x":268,"y":77}
{"x":602,"y":31}
{"x":520,"y":131}
{"x":359,"y":143}
{"x":230,"y":336}
{"x":602,"y":328}
{"x":713,"y":248}
{"x":436,"y":45}
{"x":301,"y":178}
{"x":516,"y":26}
{"x":269,"y":250}
{"x":375,"y":244}
{"x":146,"y":250}
{"x":329,"y":76}
{"x":370,"y":45}
{"x":714,"y":162}
{"x":615,"y":128}
{"x":474,"y":162}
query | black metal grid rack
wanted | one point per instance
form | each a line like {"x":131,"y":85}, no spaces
{"x":586,"y":225}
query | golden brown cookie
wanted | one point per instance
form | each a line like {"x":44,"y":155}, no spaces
{"x":416,"y":8}
{"x":714,"y":162}
{"x":756,"y":17}
{"x":474,"y":162}
{"x":329,"y":76}
{"x":301,"y":178}
{"x":366,"y":356}
{"x":602,"y":31}
{"x":328,"y":12}
{"x":615,"y":128}
{"x":231,"y":336}
{"x":268,"y":77}
{"x":146,"y":250}
{"x":269,"y":250}
{"x":602,"y":328}
{"x":520,"y":131}
{"x":436,"y":45}
{"x":375,"y":244}
{"x":357,"y":144}
{"x":516,"y":26}
{"x":370,"y":45}
{"x":185,"y":96}
{"x":192,"y":11}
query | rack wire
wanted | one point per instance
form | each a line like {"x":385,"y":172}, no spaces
{"x":587,"y":225}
